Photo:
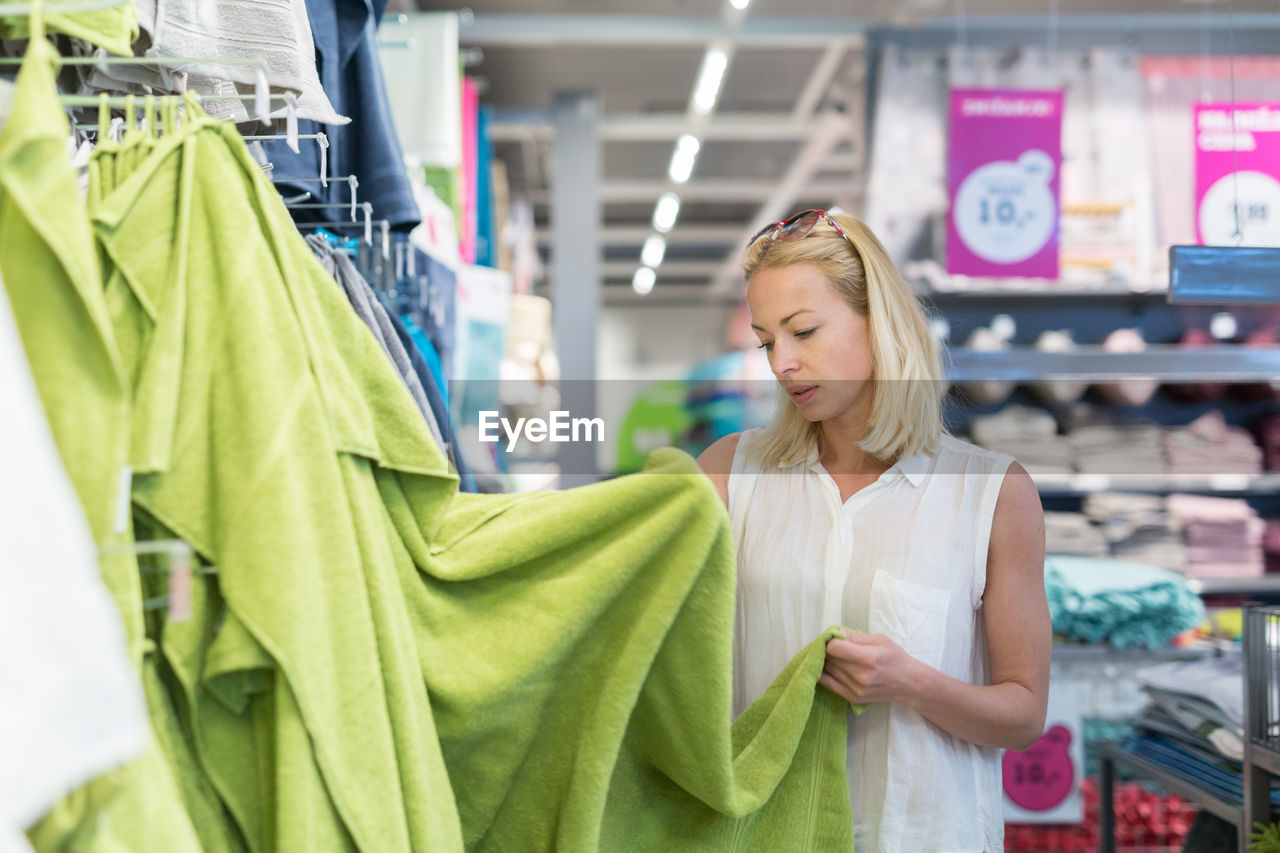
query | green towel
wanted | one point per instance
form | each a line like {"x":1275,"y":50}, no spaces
{"x":302,"y":705}
{"x":115,"y":28}
{"x":51,"y":276}
{"x":381,"y":663}
{"x":578,"y":649}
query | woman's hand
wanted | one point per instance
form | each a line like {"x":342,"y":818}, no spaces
{"x":871,"y":668}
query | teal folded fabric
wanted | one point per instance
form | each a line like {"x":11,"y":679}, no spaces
{"x":1124,"y":604}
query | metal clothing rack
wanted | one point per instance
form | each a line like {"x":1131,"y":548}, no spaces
{"x":1261,"y":743}
{"x":18,"y":9}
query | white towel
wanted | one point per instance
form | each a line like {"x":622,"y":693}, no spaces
{"x":276,"y":31}
{"x":71,"y":706}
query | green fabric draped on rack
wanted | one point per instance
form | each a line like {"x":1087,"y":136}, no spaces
{"x":114,"y":28}
{"x":49,"y":262}
{"x":379,"y":663}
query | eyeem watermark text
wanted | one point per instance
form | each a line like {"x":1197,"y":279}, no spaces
{"x":559,"y":428}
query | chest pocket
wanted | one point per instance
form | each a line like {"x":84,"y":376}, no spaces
{"x":912,"y":615}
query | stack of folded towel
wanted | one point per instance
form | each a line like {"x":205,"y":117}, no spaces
{"x":1124,"y":604}
{"x":1028,"y":435}
{"x":1223,"y":536}
{"x":1209,"y":446}
{"x":1119,"y":449}
{"x":1073,"y":533}
{"x":1137,"y":528}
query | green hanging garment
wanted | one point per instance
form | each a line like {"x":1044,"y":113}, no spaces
{"x":114,"y":28}
{"x":301,"y":698}
{"x":51,"y":276}
{"x":383,"y":664}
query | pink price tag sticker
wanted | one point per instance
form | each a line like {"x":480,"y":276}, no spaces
{"x":1043,"y":776}
{"x":180,"y":572}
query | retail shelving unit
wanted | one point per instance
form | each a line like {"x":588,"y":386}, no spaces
{"x":1224,"y":363}
{"x":1261,"y":743}
{"x":1261,"y":711}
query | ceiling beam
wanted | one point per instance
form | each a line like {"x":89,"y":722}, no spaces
{"x":783,"y":195}
{"x":510,"y":125}
{"x":634,"y":235}
{"x":820,"y":79}
{"x":671,"y":295}
{"x":560,"y":30}
{"x":623,"y":270}
{"x":708,"y":189}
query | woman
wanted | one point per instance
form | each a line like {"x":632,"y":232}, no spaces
{"x":854,"y":507}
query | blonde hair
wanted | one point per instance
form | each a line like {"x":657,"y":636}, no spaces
{"x":906,"y":409}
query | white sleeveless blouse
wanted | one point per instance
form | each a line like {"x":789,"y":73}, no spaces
{"x":905,"y":557}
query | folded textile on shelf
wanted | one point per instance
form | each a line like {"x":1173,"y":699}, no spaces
{"x":1072,"y":533}
{"x":1268,"y":429}
{"x":1028,"y":434}
{"x":1119,"y":449}
{"x":1223,"y":535}
{"x":1210,"y":446}
{"x":1216,"y":680}
{"x":1124,"y":604}
{"x":1137,"y":528}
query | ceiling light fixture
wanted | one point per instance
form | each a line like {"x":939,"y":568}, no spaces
{"x":683,"y":158}
{"x":709,"y":80}
{"x":654,"y":250}
{"x":642,"y":281}
{"x":739,"y":4}
{"x":666,"y":211}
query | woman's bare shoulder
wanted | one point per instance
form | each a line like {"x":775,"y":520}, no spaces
{"x":716,"y":461}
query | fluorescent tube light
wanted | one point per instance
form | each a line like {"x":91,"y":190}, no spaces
{"x":654,"y":248}
{"x":683,"y":158}
{"x":665,"y":213}
{"x":709,"y":80}
{"x":642,"y":281}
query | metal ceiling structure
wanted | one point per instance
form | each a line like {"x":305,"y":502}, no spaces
{"x":787,"y":130}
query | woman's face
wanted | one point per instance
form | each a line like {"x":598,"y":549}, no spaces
{"x":819,"y":347}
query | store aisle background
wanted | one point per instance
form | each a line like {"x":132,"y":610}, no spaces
{"x":1161,"y":493}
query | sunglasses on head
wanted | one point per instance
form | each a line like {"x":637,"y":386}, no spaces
{"x":798,"y":226}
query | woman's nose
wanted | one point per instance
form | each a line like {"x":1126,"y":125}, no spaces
{"x":785,"y":361}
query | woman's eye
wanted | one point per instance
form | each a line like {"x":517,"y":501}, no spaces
{"x":767,"y":347}
{"x":806,"y":333}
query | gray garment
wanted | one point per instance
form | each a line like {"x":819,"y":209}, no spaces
{"x":373,"y":315}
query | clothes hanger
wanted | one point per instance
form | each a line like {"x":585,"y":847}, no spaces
{"x":20,"y":9}
{"x":365,"y":207}
{"x":261,"y":90}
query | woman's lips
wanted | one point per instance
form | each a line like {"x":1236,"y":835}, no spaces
{"x":803,"y":393}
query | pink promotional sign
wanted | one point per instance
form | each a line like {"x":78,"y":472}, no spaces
{"x":1247,"y":178}
{"x":1003,"y":160}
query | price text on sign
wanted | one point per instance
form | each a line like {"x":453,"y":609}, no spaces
{"x":1003,"y":162}
{"x":1237,"y":175}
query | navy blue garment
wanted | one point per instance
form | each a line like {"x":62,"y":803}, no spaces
{"x":435,"y":399}
{"x":439,"y":296}
{"x":345,"y":34}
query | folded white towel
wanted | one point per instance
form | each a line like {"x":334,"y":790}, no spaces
{"x":275,"y":31}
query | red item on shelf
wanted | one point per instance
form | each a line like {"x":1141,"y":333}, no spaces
{"x":1144,"y":821}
